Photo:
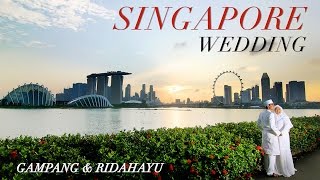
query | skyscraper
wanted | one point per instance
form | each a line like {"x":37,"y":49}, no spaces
{"x":150,"y":94}
{"x":143,"y":92}
{"x":227,"y":95}
{"x":92,"y":82}
{"x":79,"y":89}
{"x":246,"y":96}
{"x":116,"y":89}
{"x":135,"y":97}
{"x":236,"y":98}
{"x":265,"y":85}
{"x":127,"y":96}
{"x":102,"y":85}
{"x":278,"y":92}
{"x":287,"y":93}
{"x":296,"y":91}
{"x":256,"y":93}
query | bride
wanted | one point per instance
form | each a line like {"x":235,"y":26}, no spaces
{"x":284,"y":162}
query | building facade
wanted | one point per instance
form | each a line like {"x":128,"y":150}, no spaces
{"x":278,"y":93}
{"x":296,"y":91}
{"x":265,"y":86}
{"x":227,"y":95}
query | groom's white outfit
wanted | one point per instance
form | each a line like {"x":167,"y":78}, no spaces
{"x":270,"y":133}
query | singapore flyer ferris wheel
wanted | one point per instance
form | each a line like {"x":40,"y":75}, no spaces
{"x":217,"y":78}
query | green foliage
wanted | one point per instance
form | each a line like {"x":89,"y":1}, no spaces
{"x":224,"y":151}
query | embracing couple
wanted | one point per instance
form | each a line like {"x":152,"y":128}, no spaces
{"x":275,"y":126}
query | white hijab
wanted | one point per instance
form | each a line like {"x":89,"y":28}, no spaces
{"x":282,"y":114}
{"x":287,"y":125}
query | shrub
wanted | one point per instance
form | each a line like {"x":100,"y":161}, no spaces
{"x":224,"y":151}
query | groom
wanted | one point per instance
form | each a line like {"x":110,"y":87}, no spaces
{"x":270,"y":133}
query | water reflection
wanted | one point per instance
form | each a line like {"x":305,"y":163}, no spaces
{"x":16,"y":122}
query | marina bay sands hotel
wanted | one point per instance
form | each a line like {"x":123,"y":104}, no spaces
{"x":98,"y":84}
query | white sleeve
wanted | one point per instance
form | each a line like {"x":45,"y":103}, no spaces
{"x":287,"y":125}
{"x":273,"y":127}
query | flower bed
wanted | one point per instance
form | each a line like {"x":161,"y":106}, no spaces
{"x":224,"y":151}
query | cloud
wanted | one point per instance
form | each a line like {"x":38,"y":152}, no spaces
{"x":180,"y":45}
{"x":62,"y":14}
{"x":249,"y":68}
{"x":37,"y":44}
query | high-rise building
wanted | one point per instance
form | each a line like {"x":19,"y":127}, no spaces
{"x":135,"y":97}
{"x":188,"y":101}
{"x":296,"y":91}
{"x":154,"y":97}
{"x":277,"y":92}
{"x":227,"y":95}
{"x":246,"y":96}
{"x":178,"y":101}
{"x":272,"y":93}
{"x":102,"y":85}
{"x":256,"y":93}
{"x":143,"y":92}
{"x":116,"y":89}
{"x":92,"y":83}
{"x":287,"y":93}
{"x":151,"y":94}
{"x":265,"y":85}
{"x":79,"y":89}
{"x":114,"y":93}
{"x":127,"y":96}
{"x":236,"y":98}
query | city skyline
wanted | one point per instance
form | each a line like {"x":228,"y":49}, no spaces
{"x":56,"y":44}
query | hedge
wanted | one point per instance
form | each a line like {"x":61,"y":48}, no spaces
{"x":224,"y":151}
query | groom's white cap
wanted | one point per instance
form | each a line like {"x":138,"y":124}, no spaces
{"x":266,"y":103}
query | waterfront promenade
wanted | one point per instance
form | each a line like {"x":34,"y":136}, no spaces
{"x":308,"y":168}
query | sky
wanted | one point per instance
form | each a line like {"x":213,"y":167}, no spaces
{"x":60,"y":42}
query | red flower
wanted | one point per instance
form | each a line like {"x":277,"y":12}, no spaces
{"x":248,"y":176}
{"x":14,"y":154}
{"x":213,"y":172}
{"x":127,"y":166}
{"x":318,"y":139}
{"x":232,"y":147}
{"x":155,"y":173}
{"x":192,"y":170}
{"x":224,"y":172}
{"x":189,"y":161}
{"x":226,"y":157}
{"x":259,"y":148}
{"x":171,"y":167}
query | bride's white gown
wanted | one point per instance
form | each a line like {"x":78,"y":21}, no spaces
{"x":284,"y":162}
